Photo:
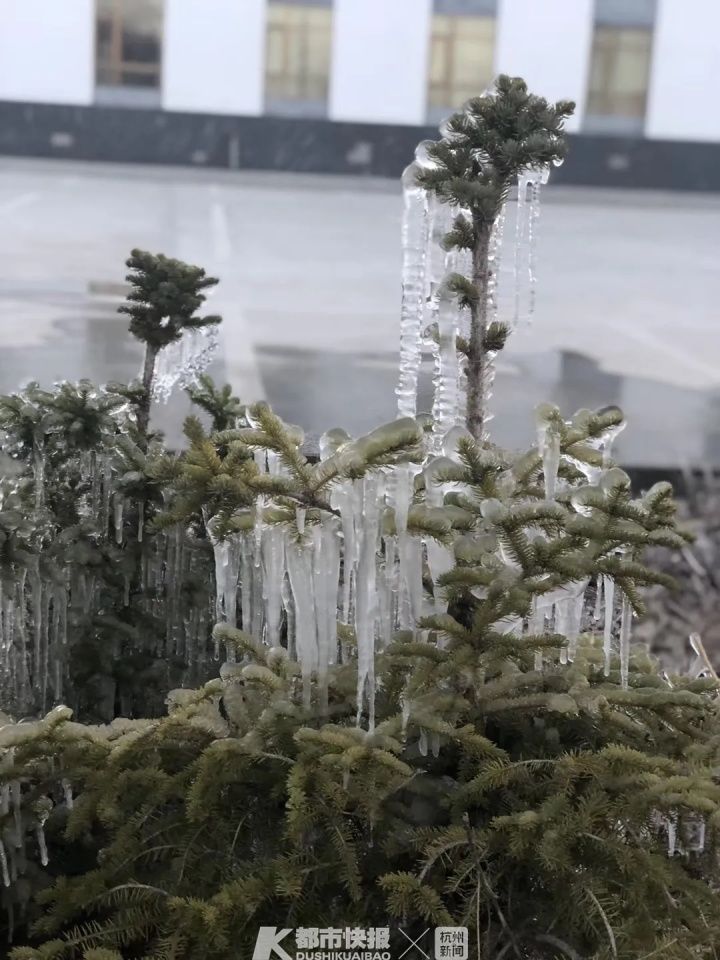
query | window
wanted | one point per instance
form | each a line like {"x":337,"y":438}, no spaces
{"x":129,"y":44}
{"x":297,"y":66}
{"x":619,"y":72}
{"x":620,"y":65}
{"x":462,"y":50}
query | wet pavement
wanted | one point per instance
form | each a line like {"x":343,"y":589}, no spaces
{"x":627,"y":297}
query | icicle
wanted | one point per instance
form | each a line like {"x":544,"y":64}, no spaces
{"x":414,"y":243}
{"x":366,"y":604}
{"x":625,"y":631}
{"x":118,"y":518}
{"x":435,"y":743}
{"x":405,"y":716}
{"x":16,"y":794}
{"x":36,"y":593}
{"x":300,"y":520}
{"x":560,"y":625}
{"x":40,"y":834}
{"x":597,"y":612}
{"x":445,"y":407}
{"x":573,"y":619}
{"x":107,"y":475}
{"x":693,"y":833}
{"x":343,"y":498}
{"x":496,"y":242}
{"x":289,"y":607}
{"x":387,"y":590}
{"x":67,"y":791}
{"x":548,"y":448}
{"x":227,"y":567}
{"x":39,"y":470}
{"x":141,"y":520}
{"x":536,"y":627}
{"x":44,"y":671}
{"x":273,"y":560}
{"x":247,"y":580}
{"x":609,"y":590}
{"x":703,"y":665}
{"x":258,"y":530}
{"x":671,"y":825}
{"x":299,"y":565}
{"x":326,"y":574}
{"x":440,"y":558}
{"x":440,"y":222}
{"x":423,"y":743}
{"x":409,"y":549}
{"x":528,"y":208}
{"x":4,"y":865}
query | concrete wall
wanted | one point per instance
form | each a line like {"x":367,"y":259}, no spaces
{"x":685,"y":72}
{"x":548,"y":43}
{"x":214,"y":56}
{"x":380,"y":59}
{"x":47,"y":50}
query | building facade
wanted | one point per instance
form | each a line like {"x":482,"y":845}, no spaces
{"x":350,"y":85}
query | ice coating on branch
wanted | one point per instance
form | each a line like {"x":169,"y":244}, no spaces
{"x":530,"y":180}
{"x":181,"y":362}
{"x":610,"y":436}
{"x":451,"y":442}
{"x":414,"y":247}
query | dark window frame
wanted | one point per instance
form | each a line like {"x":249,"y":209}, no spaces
{"x":112,"y":72}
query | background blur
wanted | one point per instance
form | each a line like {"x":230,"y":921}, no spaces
{"x":264,"y":140}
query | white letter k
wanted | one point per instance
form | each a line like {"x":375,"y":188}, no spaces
{"x":268,"y":943}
